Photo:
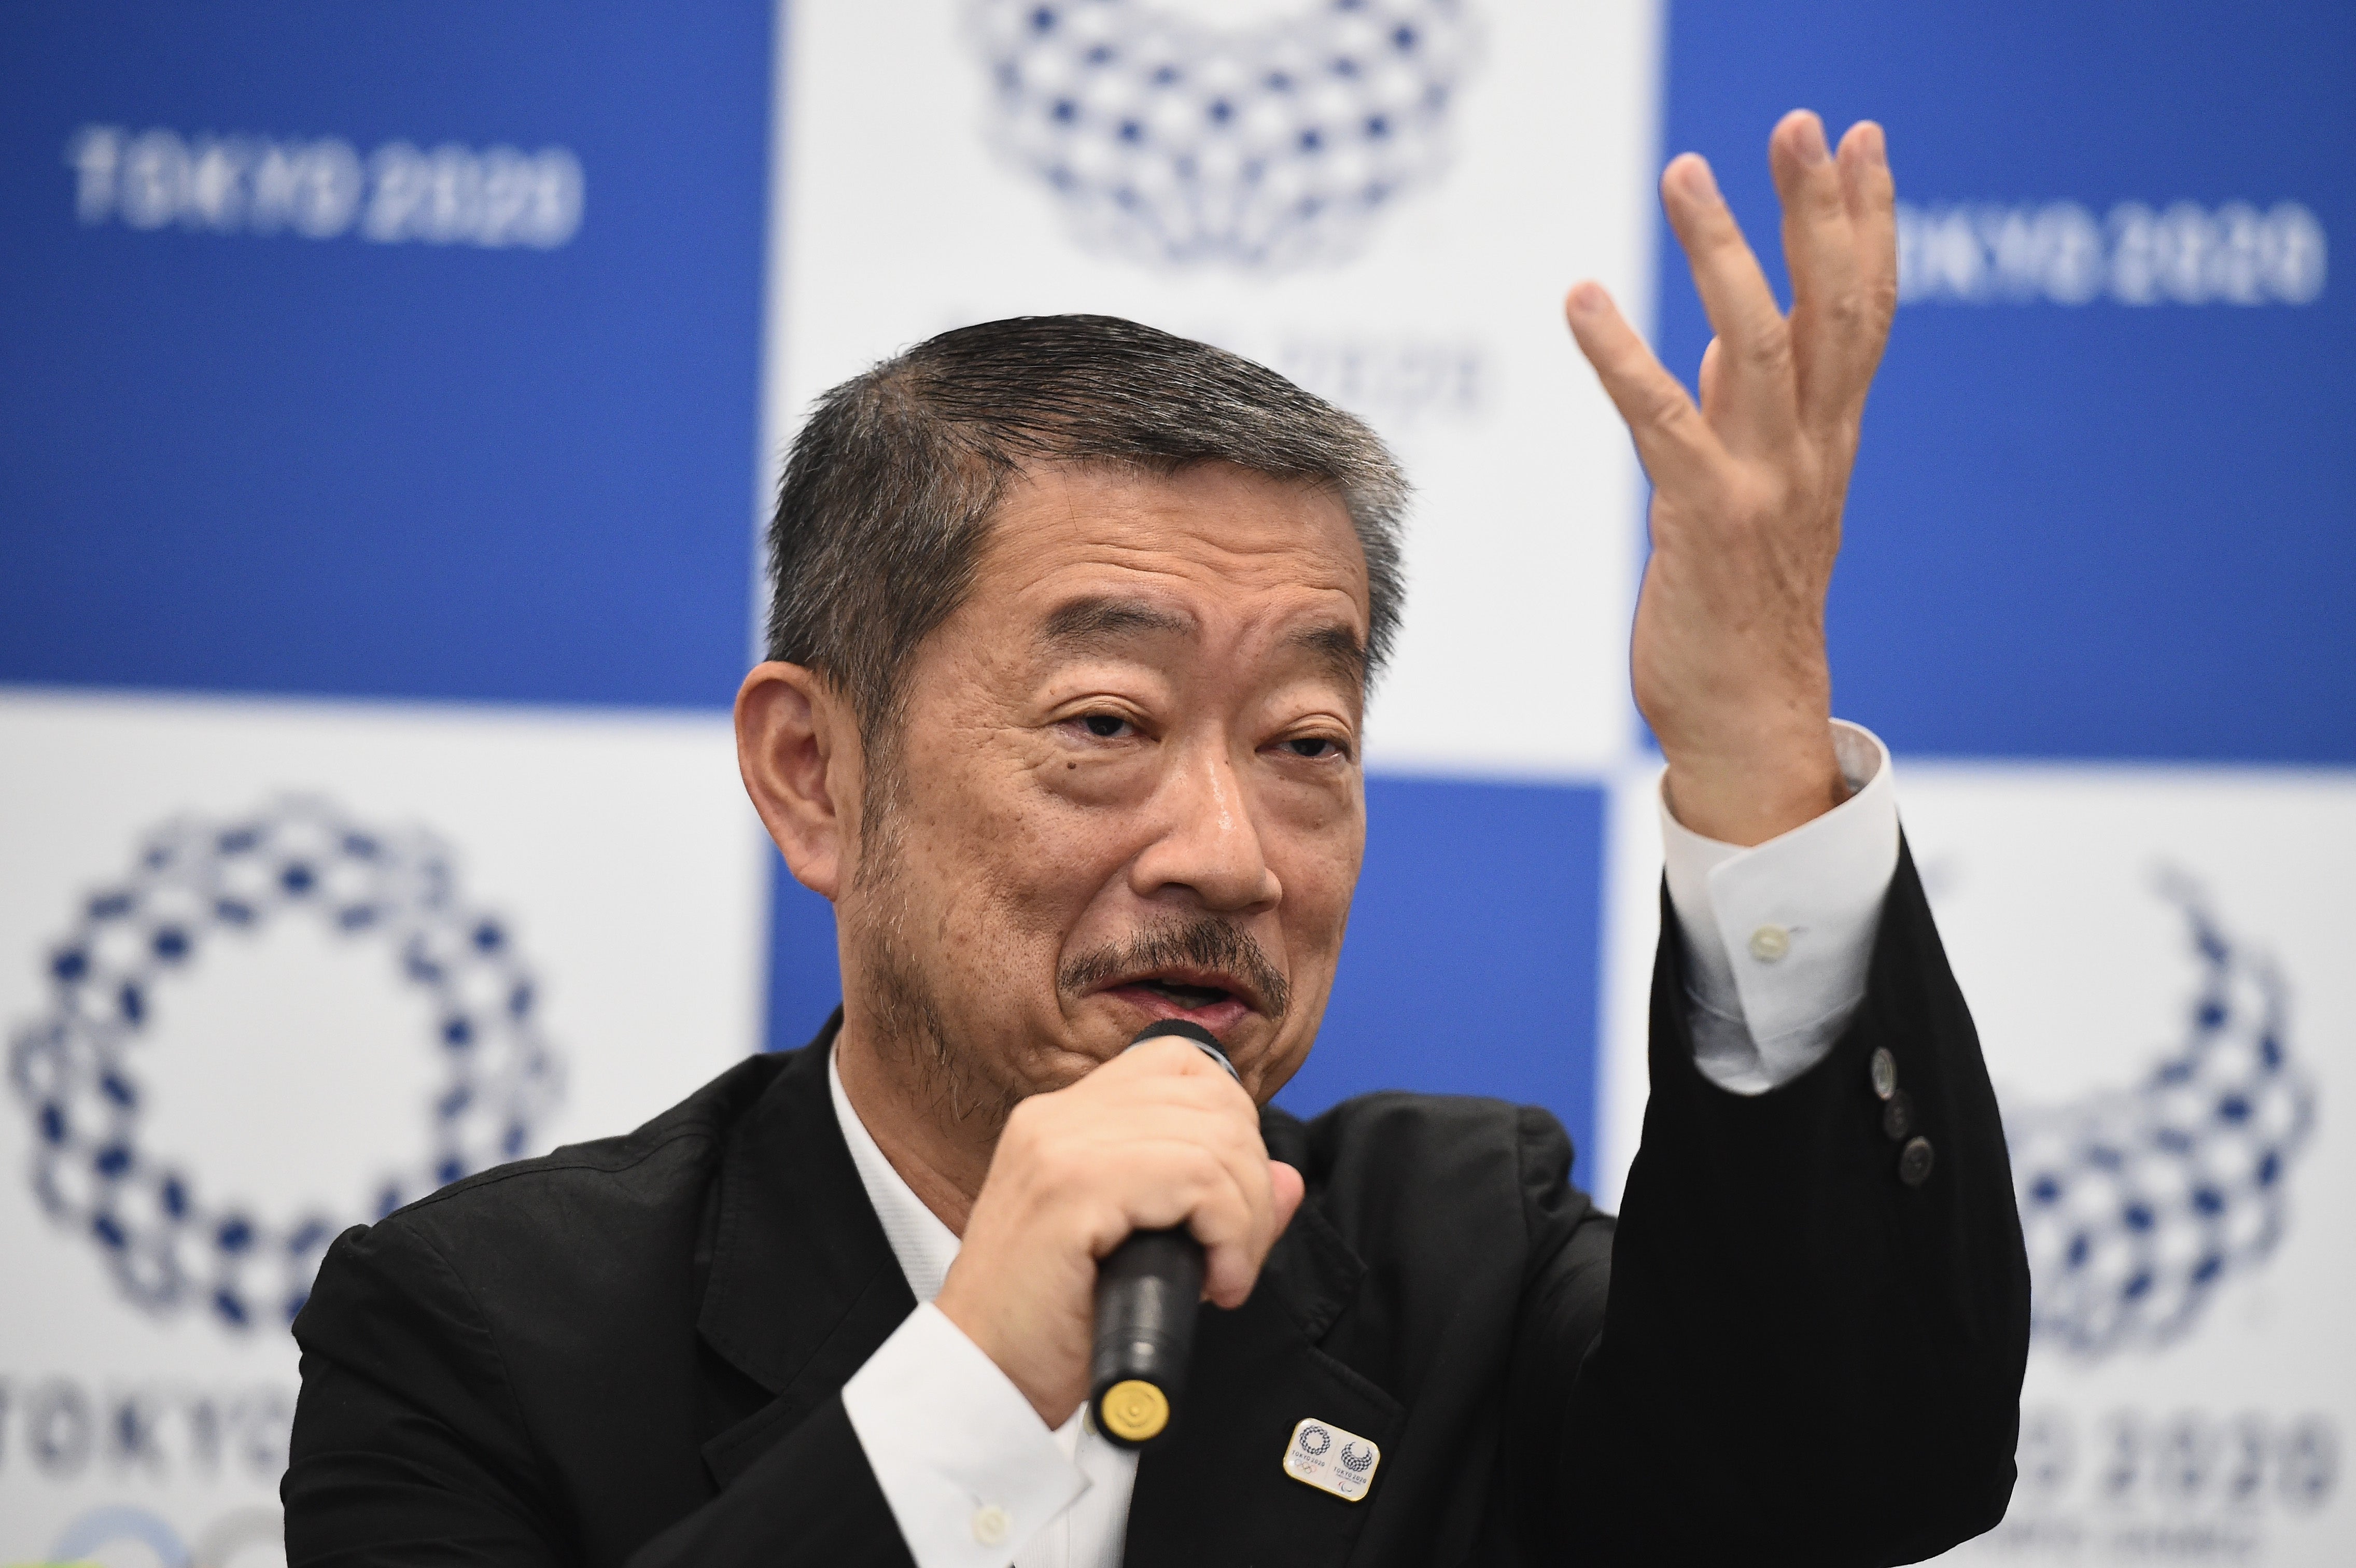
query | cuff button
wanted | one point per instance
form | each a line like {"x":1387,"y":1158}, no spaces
{"x":1914,"y":1163}
{"x":992,"y":1525}
{"x":1898,"y":1116}
{"x":1769,"y":943}
{"x":1885,"y":1073}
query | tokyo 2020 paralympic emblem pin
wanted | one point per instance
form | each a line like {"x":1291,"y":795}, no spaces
{"x":1323,"y":1455}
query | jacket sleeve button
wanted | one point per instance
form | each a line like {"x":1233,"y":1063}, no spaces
{"x":1914,"y":1163}
{"x":1898,"y":1115}
{"x":1885,"y":1073}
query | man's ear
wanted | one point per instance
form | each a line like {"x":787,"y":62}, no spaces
{"x":797,"y":749}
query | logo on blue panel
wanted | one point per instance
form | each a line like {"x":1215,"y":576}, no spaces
{"x":1263,"y":144}
{"x":171,"y":1241}
{"x":496,"y":198}
{"x":2139,"y":1204}
{"x":2062,"y":252}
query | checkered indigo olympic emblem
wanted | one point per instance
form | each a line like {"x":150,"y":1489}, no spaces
{"x":1264,"y":146}
{"x":168,"y":1242}
{"x":2137,"y":1204}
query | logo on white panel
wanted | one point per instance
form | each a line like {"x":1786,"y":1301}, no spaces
{"x":2138,"y":1203}
{"x":1180,"y":139}
{"x":171,"y":1240}
{"x":258,"y":1531}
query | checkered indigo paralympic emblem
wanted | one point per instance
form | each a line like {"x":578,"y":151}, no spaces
{"x":2137,"y":1204}
{"x":1261,"y":145}
{"x":168,"y":1242}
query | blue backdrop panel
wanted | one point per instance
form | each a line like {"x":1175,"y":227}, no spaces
{"x":1470,"y":966}
{"x":1471,"y":962}
{"x":326,"y":426}
{"x":2100,"y":529}
{"x":805,"y":981}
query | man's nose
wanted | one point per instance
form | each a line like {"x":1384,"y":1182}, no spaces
{"x":1209,"y":841}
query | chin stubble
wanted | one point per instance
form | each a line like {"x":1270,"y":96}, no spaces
{"x":907,"y":1010}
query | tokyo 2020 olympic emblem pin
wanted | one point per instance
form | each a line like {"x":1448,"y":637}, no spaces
{"x":1323,"y":1455}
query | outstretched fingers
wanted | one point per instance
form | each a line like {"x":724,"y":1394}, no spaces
{"x":1670,"y":434}
{"x":1871,"y":193}
{"x":1828,"y":306}
{"x":1757,"y":376}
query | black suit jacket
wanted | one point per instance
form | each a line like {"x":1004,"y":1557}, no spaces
{"x":634,"y":1350}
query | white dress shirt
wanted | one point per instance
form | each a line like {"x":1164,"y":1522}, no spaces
{"x":1778,"y":939}
{"x":1778,"y":936}
{"x":974,"y":1477}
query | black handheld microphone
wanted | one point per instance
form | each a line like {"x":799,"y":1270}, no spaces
{"x":1147,"y":1291}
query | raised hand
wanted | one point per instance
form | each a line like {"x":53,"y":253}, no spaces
{"x":1729,"y":652}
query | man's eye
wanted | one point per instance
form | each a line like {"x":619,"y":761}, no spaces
{"x":1311,"y":745}
{"x":1105,"y":726}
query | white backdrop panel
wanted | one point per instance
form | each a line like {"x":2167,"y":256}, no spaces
{"x":287,"y":1066}
{"x":915,"y":196}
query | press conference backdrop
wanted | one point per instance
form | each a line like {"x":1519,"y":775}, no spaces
{"x":388,"y":396}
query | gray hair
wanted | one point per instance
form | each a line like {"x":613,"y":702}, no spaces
{"x":889,"y":488}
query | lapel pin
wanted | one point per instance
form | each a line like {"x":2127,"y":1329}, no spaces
{"x":1323,"y":1455}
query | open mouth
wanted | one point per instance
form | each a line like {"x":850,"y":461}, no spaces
{"x":1198,"y":999}
{"x":1206,"y":970}
{"x":1187,"y":997}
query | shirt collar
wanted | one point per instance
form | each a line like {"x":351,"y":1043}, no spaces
{"x":925,"y":1247}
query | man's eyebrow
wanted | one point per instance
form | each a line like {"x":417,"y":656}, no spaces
{"x":1098,"y":619}
{"x":1336,"y":644}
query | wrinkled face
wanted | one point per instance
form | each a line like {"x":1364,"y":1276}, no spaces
{"x":1127,"y":786}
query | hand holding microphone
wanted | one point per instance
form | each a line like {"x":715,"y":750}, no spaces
{"x":1148,"y":1293}
{"x":1161,"y":1138}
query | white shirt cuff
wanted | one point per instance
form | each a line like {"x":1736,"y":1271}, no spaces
{"x":971,"y":1471}
{"x":1779,"y":936}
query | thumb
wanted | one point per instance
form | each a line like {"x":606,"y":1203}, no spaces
{"x":1285,"y":1189}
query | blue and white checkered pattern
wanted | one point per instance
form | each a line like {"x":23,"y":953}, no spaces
{"x":1256,"y":147}
{"x":2140,"y":1202}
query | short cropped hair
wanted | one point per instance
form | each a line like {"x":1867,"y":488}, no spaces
{"x":889,"y":488}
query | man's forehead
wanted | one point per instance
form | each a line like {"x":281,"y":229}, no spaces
{"x":1216,"y":523}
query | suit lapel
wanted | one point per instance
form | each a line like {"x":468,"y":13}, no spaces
{"x":803,"y":1286}
{"x":1213,"y":1493}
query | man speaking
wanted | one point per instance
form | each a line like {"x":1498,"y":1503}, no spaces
{"x":1072,"y":631}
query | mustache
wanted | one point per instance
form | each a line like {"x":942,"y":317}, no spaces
{"x":1203,"y":942}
